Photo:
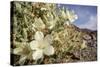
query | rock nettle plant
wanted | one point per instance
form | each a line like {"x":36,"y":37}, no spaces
{"x":43,"y":33}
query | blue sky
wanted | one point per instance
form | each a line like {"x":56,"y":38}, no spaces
{"x":87,"y":15}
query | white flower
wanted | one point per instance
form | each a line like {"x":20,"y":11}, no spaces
{"x":50,"y":20}
{"x":52,"y":23}
{"x":23,"y":50}
{"x":41,"y":45}
{"x":63,"y":14}
{"x":38,"y":24}
{"x":71,"y":16}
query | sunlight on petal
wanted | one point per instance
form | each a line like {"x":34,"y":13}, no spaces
{"x":39,"y":35}
{"x":33,"y":45}
{"x":38,"y":24}
{"x":37,"y":54}
{"x":49,"y":50}
{"x":18,"y":50}
{"x":49,"y":39}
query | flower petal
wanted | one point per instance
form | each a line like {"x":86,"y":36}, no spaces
{"x":37,"y":54}
{"x":48,"y":39}
{"x":38,"y":23}
{"x":72,"y":16}
{"x":18,"y":50}
{"x":39,"y":35}
{"x":49,"y":50}
{"x":33,"y":45}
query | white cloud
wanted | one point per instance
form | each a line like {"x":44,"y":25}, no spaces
{"x":91,"y":24}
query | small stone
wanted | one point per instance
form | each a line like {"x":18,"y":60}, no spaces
{"x":87,"y":37}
